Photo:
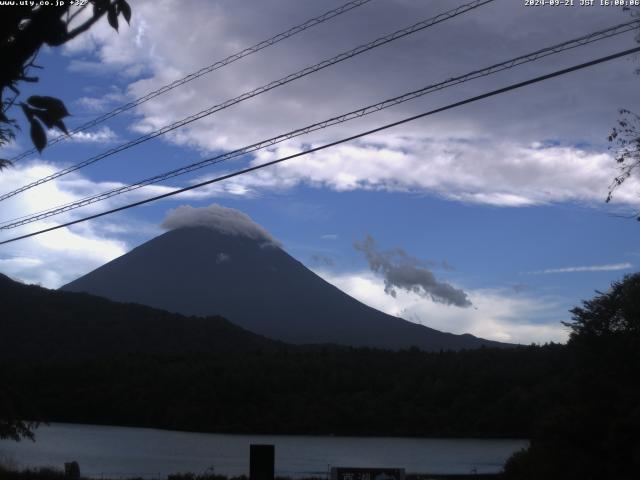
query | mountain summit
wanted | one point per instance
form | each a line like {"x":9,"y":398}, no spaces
{"x":217,"y":261}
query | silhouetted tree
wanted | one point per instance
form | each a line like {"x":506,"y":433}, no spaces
{"x":594,"y":432}
{"x":13,"y":408}
{"x":625,"y":139}
{"x":614,"y":313}
{"x":625,"y":143}
{"x":24,"y":29}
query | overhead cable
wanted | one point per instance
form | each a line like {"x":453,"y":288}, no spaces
{"x":492,"y":93}
{"x":257,"y":91}
{"x":522,"y":59}
{"x":203,"y":71}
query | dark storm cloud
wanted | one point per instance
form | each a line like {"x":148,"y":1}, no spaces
{"x":401,"y":271}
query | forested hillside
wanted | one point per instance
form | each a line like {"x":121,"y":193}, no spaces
{"x":41,"y":324}
{"x":80,"y":358}
{"x":483,"y":393}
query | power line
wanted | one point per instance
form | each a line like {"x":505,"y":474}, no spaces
{"x":492,"y":93}
{"x":530,"y":57}
{"x":265,"y":88}
{"x":203,"y":71}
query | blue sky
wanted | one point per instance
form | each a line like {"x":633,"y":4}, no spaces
{"x":503,"y":199}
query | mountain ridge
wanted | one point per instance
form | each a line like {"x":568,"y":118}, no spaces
{"x":196,"y":270}
{"x":38,"y":323}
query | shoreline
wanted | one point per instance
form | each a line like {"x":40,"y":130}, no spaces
{"x":269,"y":434}
{"x":48,"y":473}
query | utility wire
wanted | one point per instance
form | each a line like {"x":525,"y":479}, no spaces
{"x":492,"y":93}
{"x":203,"y":71}
{"x":265,"y":88}
{"x":530,"y":57}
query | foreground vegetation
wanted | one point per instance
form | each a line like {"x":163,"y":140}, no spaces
{"x":593,"y":431}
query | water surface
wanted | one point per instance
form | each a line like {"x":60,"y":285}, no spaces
{"x":118,"y":452}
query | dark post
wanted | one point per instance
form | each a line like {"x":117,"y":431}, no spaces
{"x":261,"y":462}
{"x":71,"y":471}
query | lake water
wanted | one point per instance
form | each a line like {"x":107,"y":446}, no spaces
{"x":118,"y":452}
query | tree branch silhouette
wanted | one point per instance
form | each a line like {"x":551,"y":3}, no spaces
{"x":25,"y":29}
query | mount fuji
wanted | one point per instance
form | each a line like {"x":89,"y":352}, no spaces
{"x":217,"y":261}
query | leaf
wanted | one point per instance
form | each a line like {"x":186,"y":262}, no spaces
{"x":28,"y":112}
{"x":125,"y":9}
{"x":4,"y":163}
{"x":53,"y":105}
{"x":45,"y":117}
{"x":3,"y":118}
{"x":61,"y":126}
{"x":112,"y":16}
{"x":38,"y":137}
{"x":99,"y":6}
{"x":54,"y":32}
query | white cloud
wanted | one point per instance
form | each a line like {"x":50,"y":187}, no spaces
{"x":62,"y":191}
{"x":498,"y":314}
{"x":511,"y":151}
{"x":216,"y":217}
{"x":88,"y":67}
{"x":57,"y":257}
{"x":112,"y":98}
{"x":102,"y":135}
{"x":498,"y":174}
{"x":491,"y":153}
{"x":611,"y":267}
{"x":112,"y":49}
{"x":94,"y":104}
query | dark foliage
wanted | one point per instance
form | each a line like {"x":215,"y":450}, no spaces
{"x":40,"y":324}
{"x":593,"y":431}
{"x":14,"y":407}
{"x":32,"y":474}
{"x":624,"y":138}
{"x":84,"y":359}
{"x":24,"y":29}
{"x":484,"y":393}
{"x":48,"y":325}
{"x":614,"y":315}
{"x":625,"y":144}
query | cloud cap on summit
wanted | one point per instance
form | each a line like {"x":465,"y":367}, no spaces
{"x":218,"y":218}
